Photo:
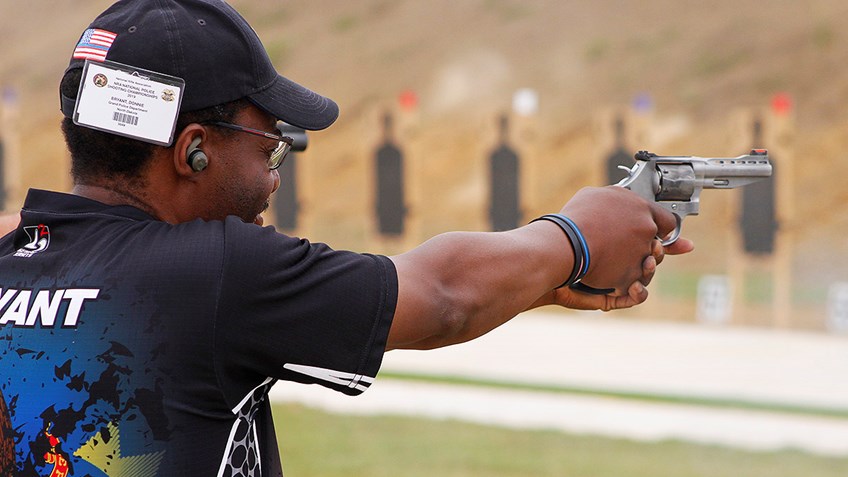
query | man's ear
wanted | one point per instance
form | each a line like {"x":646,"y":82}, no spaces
{"x":188,"y":155}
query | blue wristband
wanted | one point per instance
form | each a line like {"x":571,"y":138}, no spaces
{"x":582,"y":243}
{"x":577,"y":285}
{"x":577,"y":244}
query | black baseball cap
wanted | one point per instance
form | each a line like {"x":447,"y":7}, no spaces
{"x":210,"y":46}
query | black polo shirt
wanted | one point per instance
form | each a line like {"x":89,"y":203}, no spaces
{"x":131,"y":345}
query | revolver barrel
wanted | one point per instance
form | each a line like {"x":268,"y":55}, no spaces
{"x":680,"y":178}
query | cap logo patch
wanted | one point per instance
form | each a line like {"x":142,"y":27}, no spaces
{"x":94,"y":44}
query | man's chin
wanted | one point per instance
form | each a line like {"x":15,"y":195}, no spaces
{"x":259,"y":220}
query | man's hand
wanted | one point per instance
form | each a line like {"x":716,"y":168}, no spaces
{"x":636,"y":293}
{"x":618,"y":226}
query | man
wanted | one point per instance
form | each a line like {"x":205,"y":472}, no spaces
{"x":146,"y":315}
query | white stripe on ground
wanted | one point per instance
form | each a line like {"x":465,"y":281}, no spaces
{"x":595,"y":351}
{"x":582,"y":415}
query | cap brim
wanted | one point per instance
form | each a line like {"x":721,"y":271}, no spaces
{"x":296,"y":105}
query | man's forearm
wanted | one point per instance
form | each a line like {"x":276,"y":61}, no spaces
{"x":461,"y":285}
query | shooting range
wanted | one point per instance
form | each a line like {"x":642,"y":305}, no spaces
{"x":480,"y":116}
{"x":749,"y":231}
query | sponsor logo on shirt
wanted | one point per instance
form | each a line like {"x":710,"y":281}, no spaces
{"x":39,"y":240}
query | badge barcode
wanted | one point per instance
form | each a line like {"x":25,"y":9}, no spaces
{"x":125,"y":118}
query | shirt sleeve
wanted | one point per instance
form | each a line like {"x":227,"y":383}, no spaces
{"x":293,"y":310}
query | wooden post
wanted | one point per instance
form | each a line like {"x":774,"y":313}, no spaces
{"x":779,"y":133}
{"x":393,"y":230}
{"x":11,"y":134}
{"x":773,"y":130}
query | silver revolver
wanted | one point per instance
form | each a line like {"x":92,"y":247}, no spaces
{"x":675,"y":182}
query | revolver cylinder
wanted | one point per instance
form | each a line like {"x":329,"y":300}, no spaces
{"x":677,"y":182}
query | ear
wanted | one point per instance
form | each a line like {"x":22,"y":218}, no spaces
{"x":191,"y":134}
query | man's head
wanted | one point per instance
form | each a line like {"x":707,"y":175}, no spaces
{"x":228,"y":76}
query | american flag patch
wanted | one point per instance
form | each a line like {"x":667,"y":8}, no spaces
{"x":94,"y":44}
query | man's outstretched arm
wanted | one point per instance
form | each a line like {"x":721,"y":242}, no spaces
{"x":460,"y":285}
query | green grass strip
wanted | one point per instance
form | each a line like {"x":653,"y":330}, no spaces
{"x":316,"y":443}
{"x":630,"y":395}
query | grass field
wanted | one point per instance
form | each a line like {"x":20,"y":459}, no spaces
{"x":315,"y":443}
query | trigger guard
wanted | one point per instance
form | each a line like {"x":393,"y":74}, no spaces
{"x":675,"y":234}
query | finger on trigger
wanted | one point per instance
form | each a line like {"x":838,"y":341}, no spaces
{"x":666,"y":221}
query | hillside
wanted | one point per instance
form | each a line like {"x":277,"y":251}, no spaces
{"x":705,"y":65}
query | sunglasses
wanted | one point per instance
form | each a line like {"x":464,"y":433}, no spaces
{"x":280,"y":152}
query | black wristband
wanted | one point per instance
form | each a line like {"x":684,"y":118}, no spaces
{"x":576,"y":246}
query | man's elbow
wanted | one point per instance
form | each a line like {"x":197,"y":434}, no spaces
{"x":449,"y":323}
